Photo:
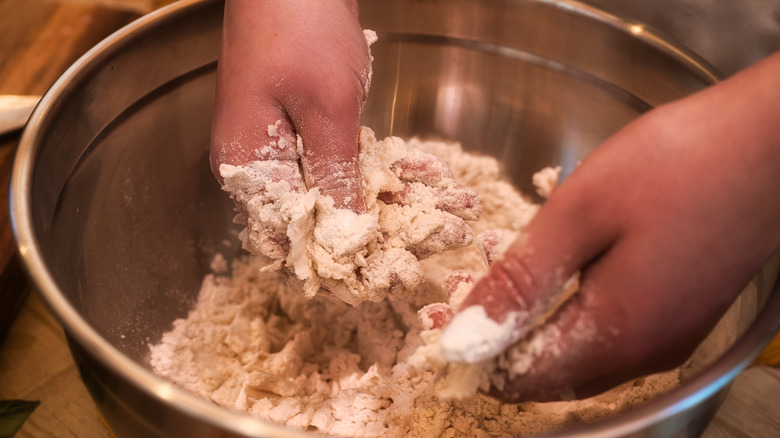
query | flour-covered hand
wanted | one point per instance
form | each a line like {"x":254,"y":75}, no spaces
{"x":666,"y":222}
{"x":293,"y":68}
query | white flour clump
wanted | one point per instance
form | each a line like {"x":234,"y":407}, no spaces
{"x":414,"y":209}
{"x":254,"y":343}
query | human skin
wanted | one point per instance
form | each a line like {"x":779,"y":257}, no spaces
{"x":307,"y":64}
{"x":666,"y":221}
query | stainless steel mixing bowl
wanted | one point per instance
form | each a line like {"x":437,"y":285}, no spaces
{"x":117,"y":215}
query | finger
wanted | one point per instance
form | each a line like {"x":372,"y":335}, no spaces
{"x":238,"y":139}
{"x":245,"y":106}
{"x":561,"y":359}
{"x":611,"y":332}
{"x":250,"y":127}
{"x":637,"y":306}
{"x":522,"y":286}
{"x":330,"y":152}
{"x":325,"y":111}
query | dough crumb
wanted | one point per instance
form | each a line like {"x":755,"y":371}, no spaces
{"x":546,"y":180}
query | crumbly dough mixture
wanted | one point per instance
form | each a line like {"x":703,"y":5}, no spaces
{"x":255,"y":344}
{"x":415,"y":209}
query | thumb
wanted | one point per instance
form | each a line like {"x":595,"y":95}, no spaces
{"x":535,"y":274}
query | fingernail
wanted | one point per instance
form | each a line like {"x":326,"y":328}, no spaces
{"x":472,"y":336}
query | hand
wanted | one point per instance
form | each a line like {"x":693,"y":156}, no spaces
{"x":666,"y":222}
{"x":302,"y":62}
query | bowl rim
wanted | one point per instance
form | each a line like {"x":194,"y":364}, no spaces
{"x":713,"y":379}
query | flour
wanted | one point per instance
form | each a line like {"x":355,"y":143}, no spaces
{"x":414,"y":209}
{"x":254,"y":343}
{"x":480,"y":337}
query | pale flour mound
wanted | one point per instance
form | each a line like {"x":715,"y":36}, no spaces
{"x":254,"y":343}
{"x":414,"y":209}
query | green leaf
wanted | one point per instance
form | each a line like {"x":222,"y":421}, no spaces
{"x":13,"y":414}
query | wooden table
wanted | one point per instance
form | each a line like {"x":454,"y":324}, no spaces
{"x":38,"y":40}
